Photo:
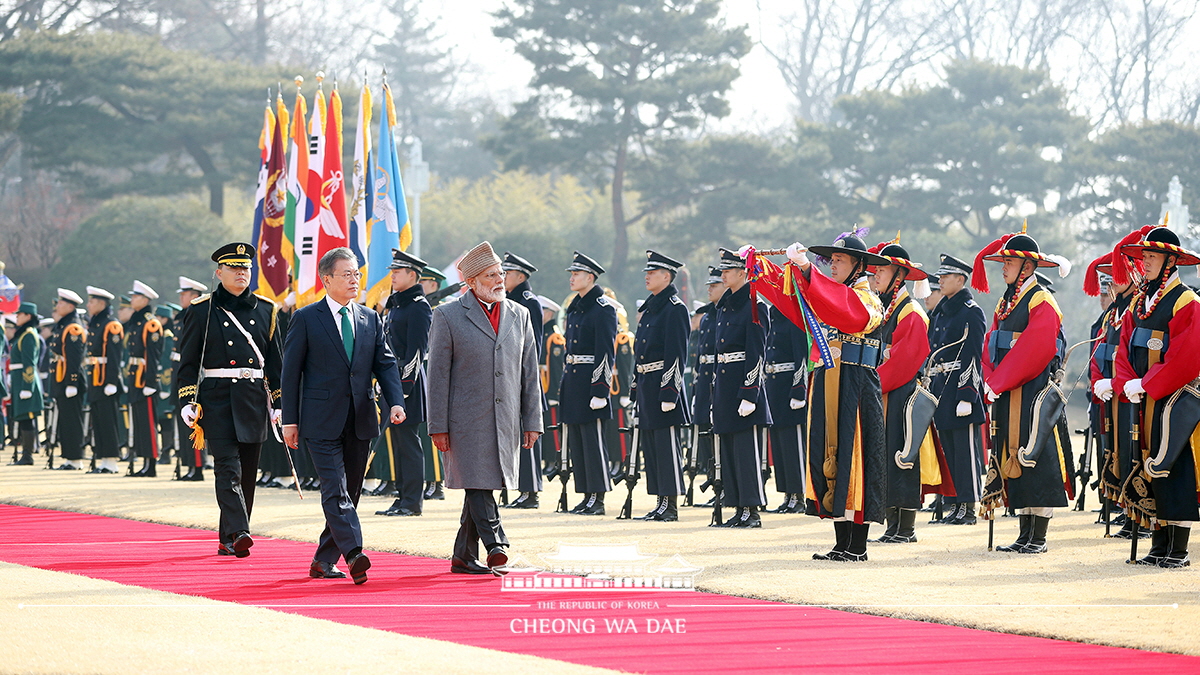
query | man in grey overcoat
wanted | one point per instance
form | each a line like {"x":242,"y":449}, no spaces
{"x":485,"y":402}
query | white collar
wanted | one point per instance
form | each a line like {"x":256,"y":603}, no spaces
{"x":334,"y":307}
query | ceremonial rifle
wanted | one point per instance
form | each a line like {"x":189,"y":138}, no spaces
{"x":631,"y":472}
{"x":564,"y":467}
{"x":1085,"y":469}
{"x":717,"y":519}
{"x":435,"y":297}
{"x":693,"y":440}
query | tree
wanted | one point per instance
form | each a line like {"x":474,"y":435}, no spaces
{"x":971,"y":153}
{"x":609,"y":74}
{"x":115,"y":114}
{"x":154,"y":239}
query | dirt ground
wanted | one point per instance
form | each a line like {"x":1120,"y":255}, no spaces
{"x":1081,"y":590}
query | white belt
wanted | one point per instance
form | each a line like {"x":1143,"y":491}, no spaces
{"x":15,"y":366}
{"x":572,"y":359}
{"x":946,"y":367}
{"x":708,"y":358}
{"x":651,"y":367}
{"x":235,"y":373}
{"x":731,"y":357}
{"x":781,"y":367}
{"x":137,"y":361}
{"x":174,"y":356}
{"x":97,"y":360}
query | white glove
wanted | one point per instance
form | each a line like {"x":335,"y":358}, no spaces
{"x":989,"y":396}
{"x":1134,"y":391}
{"x":110,"y":389}
{"x":963,"y":408}
{"x":147,"y":391}
{"x":597,"y":403}
{"x":71,"y":392}
{"x":1103,"y":389}
{"x":276,"y":416}
{"x":25,"y":394}
{"x":625,"y":401}
{"x":164,"y":395}
{"x":798,"y":253}
{"x":668,"y":406}
{"x":796,"y":404}
{"x":746,"y":408}
{"x":188,"y":415}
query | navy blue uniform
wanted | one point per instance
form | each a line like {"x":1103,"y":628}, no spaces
{"x":787,"y":381}
{"x":529,"y":474}
{"x":660,"y":354}
{"x":407,"y":328}
{"x":591,"y":335}
{"x":957,"y":377}
{"x":739,"y":375}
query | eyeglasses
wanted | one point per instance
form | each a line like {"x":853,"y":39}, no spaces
{"x":348,"y":276}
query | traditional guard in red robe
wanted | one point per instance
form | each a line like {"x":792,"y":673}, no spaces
{"x":1027,"y":469}
{"x":1157,"y":365}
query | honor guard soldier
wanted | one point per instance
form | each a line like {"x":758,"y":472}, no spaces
{"x":143,"y":345}
{"x":25,"y":387}
{"x":433,"y":281}
{"x":660,"y":400}
{"x":704,"y":366}
{"x":585,"y":394}
{"x":517,"y":271}
{"x":106,"y":347}
{"x":739,"y":401}
{"x":68,"y":351}
{"x":229,"y":367}
{"x":905,"y":341}
{"x":787,"y":396}
{"x":1022,"y":353}
{"x":166,"y":372}
{"x":407,"y":331}
{"x":190,"y":457}
{"x":553,"y":363}
{"x":956,"y":379}
{"x":846,"y":460}
{"x":616,"y":443}
{"x":1114,"y":416}
{"x":1156,"y":368}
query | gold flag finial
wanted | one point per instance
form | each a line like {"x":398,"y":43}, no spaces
{"x":1165,"y":216}
{"x":897,"y":239}
{"x":1024,"y":225}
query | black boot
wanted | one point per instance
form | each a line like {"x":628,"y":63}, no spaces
{"x":907,"y":532}
{"x":659,"y":507}
{"x":747,"y":518}
{"x":195,"y":474}
{"x":892,"y":516}
{"x":667,"y":510}
{"x":857,"y":550}
{"x":594,"y":506}
{"x":1160,"y":546}
{"x":582,"y":503}
{"x":737,"y":515}
{"x":527,"y":500}
{"x":1178,"y":557}
{"x":435,"y":494}
{"x":1037,"y":540}
{"x":164,"y":457}
{"x":27,"y":442}
{"x":964,"y":516}
{"x":1022,"y":538}
{"x":841,"y":533}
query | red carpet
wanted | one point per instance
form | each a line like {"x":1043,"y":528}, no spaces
{"x":418,"y":596}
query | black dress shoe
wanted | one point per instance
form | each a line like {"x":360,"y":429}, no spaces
{"x":436,"y":493}
{"x":242,"y":543}
{"x":496,"y":558}
{"x":395,"y":510}
{"x":358,"y":566}
{"x":65,"y":467}
{"x":324,"y":570}
{"x":469,"y":567}
{"x":527,"y":500}
{"x":193,"y":476}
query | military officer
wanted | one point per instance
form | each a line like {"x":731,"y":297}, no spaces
{"x":166,"y":371}
{"x":585,"y":393}
{"x":956,"y":379}
{"x":517,"y":272}
{"x":616,"y":443}
{"x":704,"y":364}
{"x":1021,"y":355}
{"x":230,"y":347}
{"x":740,"y":414}
{"x":432,"y":281}
{"x":24,"y":386}
{"x":68,"y":349}
{"x":408,"y":319}
{"x":660,"y":399}
{"x":1160,"y":338}
{"x":190,"y":457}
{"x":106,"y":346}
{"x":143,"y":344}
{"x":553,"y":363}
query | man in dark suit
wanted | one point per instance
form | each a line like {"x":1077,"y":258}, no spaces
{"x":332,"y":349}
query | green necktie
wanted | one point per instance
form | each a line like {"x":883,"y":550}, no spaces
{"x":347,"y":332}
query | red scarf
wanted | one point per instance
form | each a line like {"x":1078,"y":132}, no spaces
{"x":493,"y":314}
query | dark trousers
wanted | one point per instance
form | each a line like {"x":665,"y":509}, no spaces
{"x":529,"y":476}
{"x":70,"y":425}
{"x":145,"y":425}
{"x":188,"y":455}
{"x":405,"y":464}
{"x":480,"y":521}
{"x":589,"y":464}
{"x":166,"y":433}
{"x":964,"y":457}
{"x":741,"y":467}
{"x":340,"y":464}
{"x":787,"y":449}
{"x":106,"y":427}
{"x":664,"y":463}
{"x":235,"y":469}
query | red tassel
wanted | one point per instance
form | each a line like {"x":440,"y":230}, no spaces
{"x":1120,"y":262}
{"x":1091,"y":278}
{"x":878,"y":247}
{"x":979,"y":279}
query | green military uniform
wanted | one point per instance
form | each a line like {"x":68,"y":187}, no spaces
{"x":24,"y":385}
